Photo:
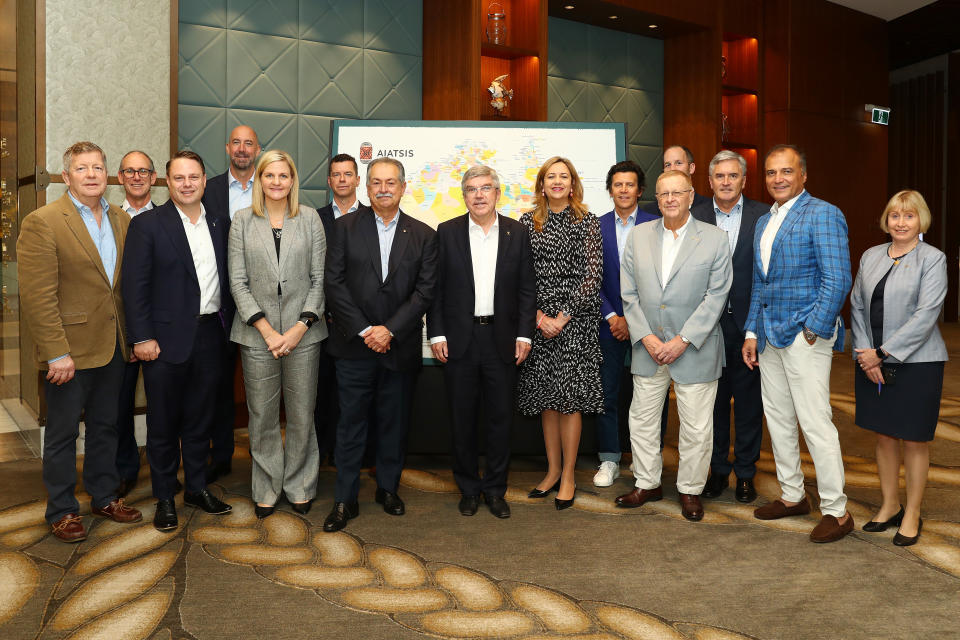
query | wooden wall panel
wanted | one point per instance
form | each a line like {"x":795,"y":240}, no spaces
{"x":951,"y":227}
{"x":449,"y":89}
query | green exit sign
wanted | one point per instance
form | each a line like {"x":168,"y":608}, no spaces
{"x":880,"y":116}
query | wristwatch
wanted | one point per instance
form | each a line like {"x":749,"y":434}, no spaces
{"x":809,"y":335}
{"x":684,"y":340}
{"x":883,"y":355}
{"x":307,"y":321}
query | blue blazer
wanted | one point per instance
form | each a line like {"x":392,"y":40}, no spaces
{"x":610,"y":301}
{"x":808,"y":278}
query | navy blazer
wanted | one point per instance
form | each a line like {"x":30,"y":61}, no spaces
{"x":216,"y":195}
{"x":357,"y":298}
{"x":515,"y":289}
{"x":161,"y":292}
{"x":610,"y":301}
{"x":654,"y":207}
{"x":742,"y":258}
{"x":326,"y":216}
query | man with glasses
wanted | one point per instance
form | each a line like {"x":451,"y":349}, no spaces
{"x":481,"y":327}
{"x":678,"y":158}
{"x":673,"y":308}
{"x":380,"y":280}
{"x":224,"y":195}
{"x":136,"y":175}
{"x":69,"y":255}
{"x":174,"y":286}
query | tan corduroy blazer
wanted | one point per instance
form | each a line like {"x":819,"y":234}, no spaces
{"x":67,"y":303}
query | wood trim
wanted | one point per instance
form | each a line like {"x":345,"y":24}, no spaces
{"x":41,"y":97}
{"x":174,"y":75}
{"x":111,"y":180}
{"x":951,"y":225}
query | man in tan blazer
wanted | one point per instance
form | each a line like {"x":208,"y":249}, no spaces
{"x":69,"y":255}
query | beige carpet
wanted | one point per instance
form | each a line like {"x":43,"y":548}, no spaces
{"x":589,"y":572}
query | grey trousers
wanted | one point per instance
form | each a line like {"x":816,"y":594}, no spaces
{"x":290,"y":467}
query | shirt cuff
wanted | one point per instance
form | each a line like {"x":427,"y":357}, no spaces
{"x":527,"y":340}
{"x":437,"y":339}
{"x":362,"y":333}
{"x":255,"y":317}
{"x":52,"y":360}
{"x":609,"y":315}
{"x":750,"y":335}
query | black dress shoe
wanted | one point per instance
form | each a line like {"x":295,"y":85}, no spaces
{"x":391,"y":502}
{"x":746,"y":492}
{"x":302,"y":507}
{"x":874,"y":526}
{"x":126,"y":485}
{"x":562,"y":504}
{"x":715,"y":485}
{"x":263,"y":512}
{"x":217,"y":470}
{"x":468,"y":505}
{"x":906,"y":541}
{"x":537,"y":493}
{"x":206,"y":501}
{"x":498,"y":506}
{"x":342,"y":511}
{"x":165,"y":518}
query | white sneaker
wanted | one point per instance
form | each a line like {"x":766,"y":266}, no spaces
{"x":608,"y":472}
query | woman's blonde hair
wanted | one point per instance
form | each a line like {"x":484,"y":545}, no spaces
{"x":293,"y":198}
{"x":541,"y":211}
{"x":907,"y":200}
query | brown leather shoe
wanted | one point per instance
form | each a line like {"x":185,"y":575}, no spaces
{"x":69,"y":528}
{"x":830,"y":529}
{"x":638,"y":497}
{"x":118,"y":512}
{"x":691,"y":507}
{"x":776,"y":510}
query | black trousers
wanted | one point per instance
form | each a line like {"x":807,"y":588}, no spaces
{"x":326,"y":415}
{"x":181,"y":400}
{"x":739,"y":383}
{"x":92,"y":392}
{"x":128,"y":455}
{"x":221,"y":430}
{"x":480,"y":374}
{"x":364,"y":383}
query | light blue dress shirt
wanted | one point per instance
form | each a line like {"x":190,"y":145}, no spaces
{"x":623,"y":228}
{"x":385,"y":233}
{"x":241,"y":196}
{"x":336,"y":210}
{"x":730,"y":222}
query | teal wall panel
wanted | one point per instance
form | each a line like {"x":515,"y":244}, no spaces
{"x":287,"y":68}
{"x":601,"y":75}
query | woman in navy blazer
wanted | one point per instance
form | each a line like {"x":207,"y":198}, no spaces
{"x":894,"y":307}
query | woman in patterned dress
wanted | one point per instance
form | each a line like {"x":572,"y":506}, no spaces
{"x":561,"y":378}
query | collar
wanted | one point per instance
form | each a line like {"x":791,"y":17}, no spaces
{"x":618,"y":220}
{"x":353,"y":207}
{"x":786,"y":206}
{"x":186,"y":220}
{"x":681,"y":230}
{"x":735,"y":210}
{"x":234,"y":180}
{"x":471,"y":225}
{"x":82,"y":208}
{"x":126,"y":206}
{"x":386,"y":225}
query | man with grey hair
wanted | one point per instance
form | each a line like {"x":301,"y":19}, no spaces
{"x":69,"y":272}
{"x":481,"y":326}
{"x":737,"y":215}
{"x":380,"y":280}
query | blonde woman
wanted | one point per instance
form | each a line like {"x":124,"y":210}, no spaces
{"x":561,"y":377}
{"x":894,"y":308}
{"x":276,"y":253}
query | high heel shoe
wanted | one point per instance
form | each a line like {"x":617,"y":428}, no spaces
{"x":875,"y":526}
{"x":564,"y":504}
{"x":263,"y":512}
{"x":302,"y":507}
{"x":537,"y":493}
{"x":906,"y":541}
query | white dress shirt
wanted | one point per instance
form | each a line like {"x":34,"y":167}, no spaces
{"x":670,"y":249}
{"x":132,"y":211}
{"x":777,"y":214}
{"x":204,"y":261}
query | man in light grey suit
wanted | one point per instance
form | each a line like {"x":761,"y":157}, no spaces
{"x":673,"y":313}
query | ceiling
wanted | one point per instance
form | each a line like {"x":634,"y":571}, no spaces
{"x":886,"y":9}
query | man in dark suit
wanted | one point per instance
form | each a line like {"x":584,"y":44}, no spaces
{"x":343,"y":180}
{"x":380,"y":277}
{"x":678,"y":158}
{"x":224,"y":195}
{"x":625,"y":186}
{"x":737,"y":215}
{"x":136,"y":175}
{"x":174,"y":286}
{"x":481,"y":326}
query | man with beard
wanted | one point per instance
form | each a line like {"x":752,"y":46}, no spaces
{"x":226,"y":194}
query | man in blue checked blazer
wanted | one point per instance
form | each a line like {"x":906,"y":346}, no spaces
{"x":801,"y":277}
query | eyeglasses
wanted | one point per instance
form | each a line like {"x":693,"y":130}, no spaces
{"x":672,"y":194}
{"x":143,"y":173}
{"x":485,"y":189}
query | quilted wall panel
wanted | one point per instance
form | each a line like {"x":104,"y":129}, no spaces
{"x":601,"y":75}
{"x":289,"y":67}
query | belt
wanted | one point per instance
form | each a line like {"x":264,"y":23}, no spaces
{"x":483,"y":319}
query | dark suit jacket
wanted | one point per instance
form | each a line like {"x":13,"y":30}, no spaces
{"x":161,"y":292}
{"x":742,"y":254}
{"x":515,"y":289}
{"x":356,"y":297}
{"x":654,"y":208}
{"x":610,"y":301}
{"x":326,"y":216}
{"x":216,"y":195}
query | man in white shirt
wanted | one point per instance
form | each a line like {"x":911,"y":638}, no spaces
{"x":673,"y":308}
{"x":481,"y":325}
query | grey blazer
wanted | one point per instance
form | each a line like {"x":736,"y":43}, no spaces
{"x":255,"y":274}
{"x":690,"y":304}
{"x":912,"y":301}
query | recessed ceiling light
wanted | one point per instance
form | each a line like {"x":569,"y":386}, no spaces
{"x":569,"y":6}
{"x":613,"y":17}
{"x":652,"y":26}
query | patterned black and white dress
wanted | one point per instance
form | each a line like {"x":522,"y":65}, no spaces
{"x":563,"y":373}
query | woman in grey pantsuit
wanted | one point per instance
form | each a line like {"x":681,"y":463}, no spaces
{"x":276,"y":253}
